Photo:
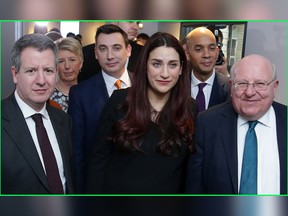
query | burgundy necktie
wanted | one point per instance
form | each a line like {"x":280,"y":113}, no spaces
{"x":200,"y":97}
{"x":49,"y":159}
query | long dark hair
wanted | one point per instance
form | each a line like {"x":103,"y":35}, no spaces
{"x":175,"y":121}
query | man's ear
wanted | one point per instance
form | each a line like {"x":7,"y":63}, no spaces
{"x":129,"y":50}
{"x":14,"y":74}
{"x":95,"y":53}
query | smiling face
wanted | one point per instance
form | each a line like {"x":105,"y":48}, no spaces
{"x":163,"y":70}
{"x":202,"y":51}
{"x":35,"y":81}
{"x":252,"y":104}
{"x":69,"y":65}
{"x":112,"y":53}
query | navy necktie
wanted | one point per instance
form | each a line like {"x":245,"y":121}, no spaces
{"x":248,"y":183}
{"x":49,"y":159}
{"x":200,"y":98}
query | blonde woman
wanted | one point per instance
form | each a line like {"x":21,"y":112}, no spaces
{"x":70,"y":61}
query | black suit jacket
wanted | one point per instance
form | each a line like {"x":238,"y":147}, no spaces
{"x":91,"y":65}
{"x":22,"y":171}
{"x":220,"y":90}
{"x":214,"y":167}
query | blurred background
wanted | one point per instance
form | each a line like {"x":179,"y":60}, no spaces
{"x":143,"y":206}
{"x":148,"y":9}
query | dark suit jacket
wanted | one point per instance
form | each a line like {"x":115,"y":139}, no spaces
{"x":86,"y":101}
{"x":214,"y":167}
{"x":220,"y":90}
{"x":22,"y":171}
{"x":91,"y":65}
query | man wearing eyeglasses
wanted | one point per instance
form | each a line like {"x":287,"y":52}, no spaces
{"x":222,"y":164}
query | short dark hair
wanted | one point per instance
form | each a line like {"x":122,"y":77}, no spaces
{"x":38,"y":41}
{"x":143,"y":35}
{"x":70,"y":34}
{"x":109,"y":29}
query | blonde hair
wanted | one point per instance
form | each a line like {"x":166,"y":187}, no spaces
{"x":70,"y":44}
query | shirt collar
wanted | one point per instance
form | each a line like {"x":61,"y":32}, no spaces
{"x":110,"y":81}
{"x":209,"y":81}
{"x":266,"y":119}
{"x":27,"y":110}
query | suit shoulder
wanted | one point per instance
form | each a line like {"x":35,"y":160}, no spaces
{"x":279,"y":107}
{"x":94,"y":80}
{"x":119,"y":95}
{"x":218,"y":109}
{"x":89,"y":47}
{"x":57,"y":112}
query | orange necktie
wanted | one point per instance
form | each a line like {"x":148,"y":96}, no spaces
{"x":118,"y":84}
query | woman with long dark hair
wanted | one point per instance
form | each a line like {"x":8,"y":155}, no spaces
{"x":146,"y":131}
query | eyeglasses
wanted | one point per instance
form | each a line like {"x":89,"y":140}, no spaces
{"x":258,"y":86}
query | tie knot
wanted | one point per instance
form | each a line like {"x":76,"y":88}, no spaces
{"x":37,"y":118}
{"x":201,"y":86}
{"x":118,"y":84}
{"x":252,"y":124}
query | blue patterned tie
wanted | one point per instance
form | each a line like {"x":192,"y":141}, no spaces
{"x":200,"y":98}
{"x":248,"y":184}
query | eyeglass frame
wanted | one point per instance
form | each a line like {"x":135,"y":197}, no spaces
{"x":253,"y":84}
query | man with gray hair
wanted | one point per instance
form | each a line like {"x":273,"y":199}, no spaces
{"x":241,"y":145}
{"x":36,"y":137}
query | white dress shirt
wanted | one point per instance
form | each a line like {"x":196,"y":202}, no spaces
{"x":206,"y":90}
{"x":110,"y":81}
{"x":268,"y":181}
{"x":27,"y":113}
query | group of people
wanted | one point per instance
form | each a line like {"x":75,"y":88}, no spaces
{"x":169,"y":125}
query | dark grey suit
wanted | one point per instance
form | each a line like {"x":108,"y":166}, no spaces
{"x":22,"y":171}
{"x":220,"y":90}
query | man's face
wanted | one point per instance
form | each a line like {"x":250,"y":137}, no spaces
{"x":250,"y":103}
{"x":131,"y":28}
{"x":203,"y":52}
{"x":35,"y":81}
{"x":112,"y":53}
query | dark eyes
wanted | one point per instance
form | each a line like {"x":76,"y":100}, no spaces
{"x":158,"y":64}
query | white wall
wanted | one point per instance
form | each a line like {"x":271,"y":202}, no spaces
{"x":269,"y":39}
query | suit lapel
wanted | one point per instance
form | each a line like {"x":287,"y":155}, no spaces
{"x":281,"y":121}
{"x":17,"y":129}
{"x":229,"y":135}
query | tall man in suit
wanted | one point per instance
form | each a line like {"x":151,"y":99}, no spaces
{"x":218,"y":165}
{"x":87,"y":99}
{"x":25,"y":169}
{"x":202,"y":51}
{"x":91,"y":65}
